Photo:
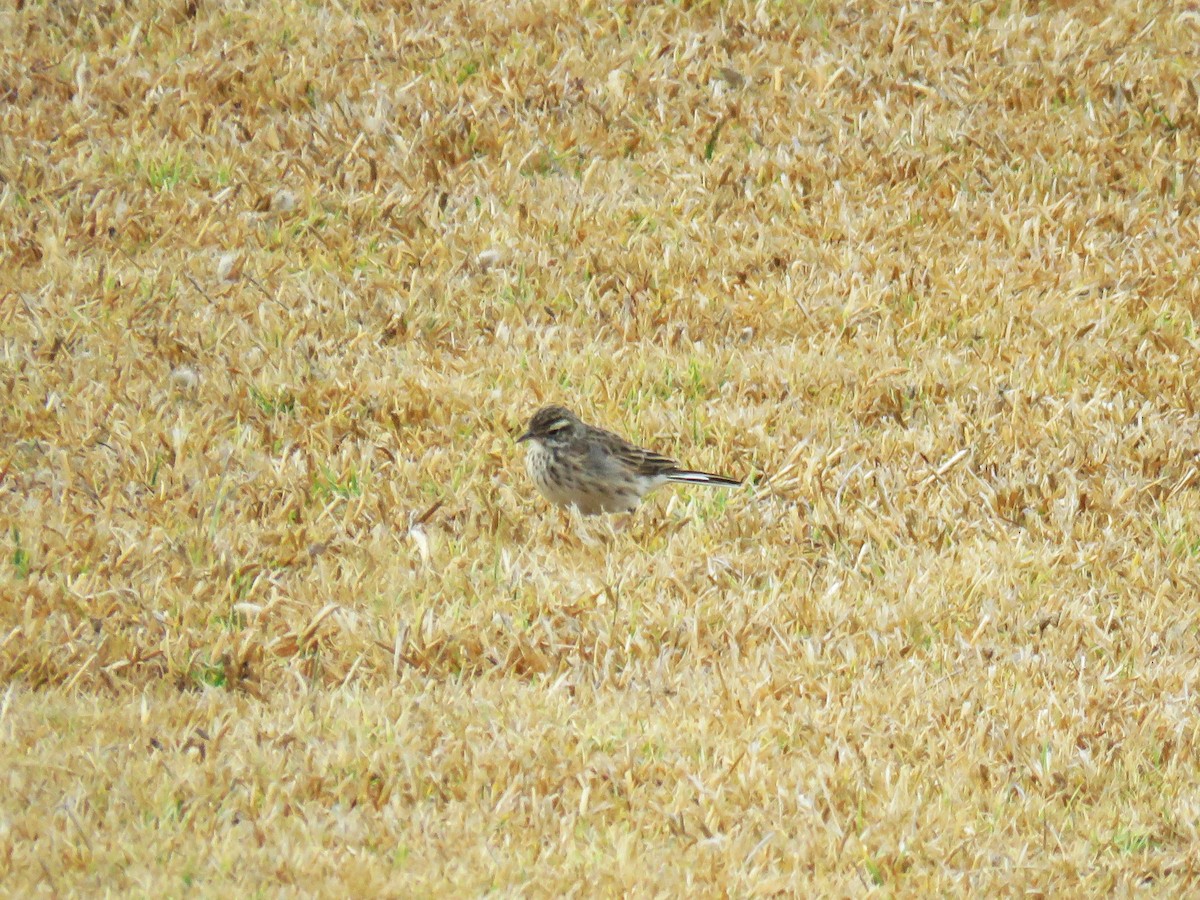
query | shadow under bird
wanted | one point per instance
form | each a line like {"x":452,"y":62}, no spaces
{"x":576,"y":464}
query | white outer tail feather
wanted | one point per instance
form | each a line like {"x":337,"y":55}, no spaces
{"x":691,"y":477}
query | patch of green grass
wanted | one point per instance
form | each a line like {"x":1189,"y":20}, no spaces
{"x":210,"y":674}
{"x":327,"y":485}
{"x":1129,"y":840}
{"x":165,"y":174}
{"x":875,"y":871}
{"x":273,"y":402}
{"x":710,"y":146}
{"x":469,"y":68}
{"x":152,"y":480}
{"x":20,"y":556}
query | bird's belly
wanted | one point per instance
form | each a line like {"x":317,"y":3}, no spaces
{"x":574,"y":489}
{"x":539,"y":463}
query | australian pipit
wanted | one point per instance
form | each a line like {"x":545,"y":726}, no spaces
{"x":575,"y":464}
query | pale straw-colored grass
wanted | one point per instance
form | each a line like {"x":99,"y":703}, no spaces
{"x":279,"y":607}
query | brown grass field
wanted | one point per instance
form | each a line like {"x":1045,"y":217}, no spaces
{"x":280,"y":610}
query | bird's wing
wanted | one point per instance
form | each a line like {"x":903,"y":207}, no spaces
{"x":638,"y":460}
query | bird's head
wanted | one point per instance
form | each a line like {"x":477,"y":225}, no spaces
{"x":552,"y":426}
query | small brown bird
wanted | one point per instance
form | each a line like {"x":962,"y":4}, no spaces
{"x":575,"y":464}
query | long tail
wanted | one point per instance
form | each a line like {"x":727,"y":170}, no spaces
{"x":688,"y":476}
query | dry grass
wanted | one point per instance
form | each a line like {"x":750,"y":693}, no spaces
{"x":279,"y":607}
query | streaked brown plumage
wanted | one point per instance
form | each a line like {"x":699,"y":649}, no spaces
{"x":575,"y":464}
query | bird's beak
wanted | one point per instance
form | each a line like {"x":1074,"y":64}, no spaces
{"x":526,"y":436}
